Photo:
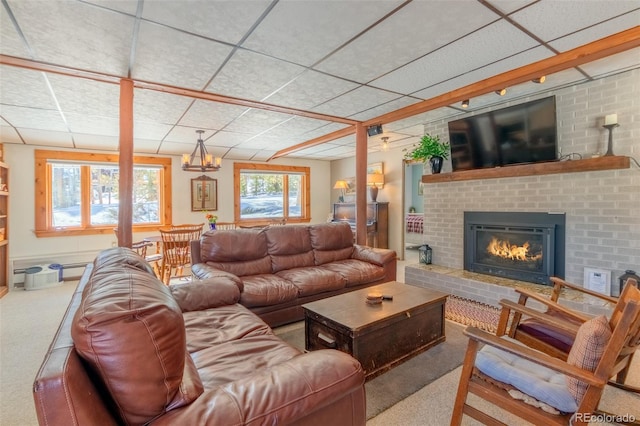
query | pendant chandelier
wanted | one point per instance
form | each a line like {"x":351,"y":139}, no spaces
{"x":200,"y":160}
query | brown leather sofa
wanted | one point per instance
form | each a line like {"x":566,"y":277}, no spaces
{"x":131,"y":350}
{"x":279,"y":268}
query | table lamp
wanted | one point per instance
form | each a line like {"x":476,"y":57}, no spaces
{"x":341,"y":185}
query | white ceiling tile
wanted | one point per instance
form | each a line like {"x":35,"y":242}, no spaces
{"x":93,"y":125}
{"x":490,"y":44}
{"x":22,"y":87}
{"x":8,"y":134}
{"x":187,"y":135}
{"x":151,"y":131}
{"x":10,"y":41}
{"x":212,"y":115}
{"x":628,"y":20}
{"x":228,"y":139}
{"x":242,"y":154}
{"x":176,"y":148}
{"x":304,"y":32}
{"x":385,"y":108}
{"x":324,"y":130}
{"x":296,"y":126}
{"x":82,"y":96}
{"x":555,"y":18}
{"x":356,"y":101}
{"x":257,"y":121}
{"x":310,"y":89}
{"x":148,"y":146}
{"x":125,"y":6}
{"x":509,"y":6}
{"x":238,"y":79}
{"x":33,"y":118}
{"x":76,"y":34}
{"x":46,"y":138}
{"x":97,"y":142}
{"x":169,"y":56}
{"x":404,"y":37}
{"x":263,"y":155}
{"x":226,"y":21}
{"x":613,"y":64}
{"x":474,"y":76}
{"x":159,"y":107}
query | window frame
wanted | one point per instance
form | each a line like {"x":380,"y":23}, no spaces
{"x":305,"y":216}
{"x":43,"y":191}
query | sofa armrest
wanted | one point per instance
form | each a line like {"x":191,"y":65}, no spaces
{"x":202,"y":271}
{"x":205,"y":294}
{"x":287,"y":392}
{"x":377,"y":256}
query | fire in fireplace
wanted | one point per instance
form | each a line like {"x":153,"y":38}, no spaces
{"x":520,"y":245}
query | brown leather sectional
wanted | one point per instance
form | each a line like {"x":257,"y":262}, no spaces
{"x":131,"y":350}
{"x":279,"y":268}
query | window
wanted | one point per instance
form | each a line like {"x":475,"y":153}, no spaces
{"x":267,"y":193}
{"x":80,"y":193}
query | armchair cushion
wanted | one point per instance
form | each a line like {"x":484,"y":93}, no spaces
{"x":591,"y":340}
{"x":539,"y":382}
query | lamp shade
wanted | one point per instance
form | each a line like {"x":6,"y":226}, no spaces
{"x":375,"y":179}
{"x":340,"y":184}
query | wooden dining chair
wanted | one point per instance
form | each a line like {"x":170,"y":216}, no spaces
{"x":553,"y":329}
{"x":225,"y":225}
{"x":176,"y":254}
{"x":141,"y":247}
{"x":506,"y":373}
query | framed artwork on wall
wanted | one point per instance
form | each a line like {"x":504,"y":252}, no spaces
{"x":204,"y":194}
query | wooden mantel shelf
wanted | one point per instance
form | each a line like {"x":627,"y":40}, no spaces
{"x":555,"y":167}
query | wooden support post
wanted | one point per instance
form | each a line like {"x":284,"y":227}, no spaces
{"x":361,"y":184}
{"x":125,"y":210}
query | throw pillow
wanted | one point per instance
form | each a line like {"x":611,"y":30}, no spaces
{"x":586,"y":352}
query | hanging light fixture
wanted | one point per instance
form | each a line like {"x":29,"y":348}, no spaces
{"x":465,"y":103}
{"x":200,"y":160}
{"x":385,"y":143}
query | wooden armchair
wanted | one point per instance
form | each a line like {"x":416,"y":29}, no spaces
{"x":176,"y":249}
{"x":552,"y":331}
{"x":505,"y":367}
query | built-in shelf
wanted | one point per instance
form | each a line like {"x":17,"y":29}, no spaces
{"x":568,"y":166}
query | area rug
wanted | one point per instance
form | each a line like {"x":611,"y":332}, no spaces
{"x":407,"y":378}
{"x":469,"y":312}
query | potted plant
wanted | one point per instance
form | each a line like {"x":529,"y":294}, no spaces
{"x":432,"y":149}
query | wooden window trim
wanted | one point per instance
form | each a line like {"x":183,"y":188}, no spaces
{"x":43,"y":190}
{"x":238,"y":168}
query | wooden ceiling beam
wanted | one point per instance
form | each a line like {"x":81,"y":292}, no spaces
{"x":316,"y":141}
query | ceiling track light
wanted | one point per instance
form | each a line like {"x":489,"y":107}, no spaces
{"x":200,"y":160}
{"x":465,"y":103}
{"x":385,"y":143}
{"x":540,"y":79}
{"x":501,"y":92}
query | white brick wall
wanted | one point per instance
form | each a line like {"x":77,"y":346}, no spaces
{"x":602,"y":208}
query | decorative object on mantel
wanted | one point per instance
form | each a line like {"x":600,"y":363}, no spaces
{"x":341,"y":185}
{"x":212,"y":219}
{"x":610,"y":123}
{"x":200,"y":160}
{"x":432,"y":149}
{"x":425,"y":254}
{"x":622,"y":281}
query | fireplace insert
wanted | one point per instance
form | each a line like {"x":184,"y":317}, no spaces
{"x":526,"y":246}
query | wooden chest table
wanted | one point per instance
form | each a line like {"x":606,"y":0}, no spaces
{"x":379,"y":336}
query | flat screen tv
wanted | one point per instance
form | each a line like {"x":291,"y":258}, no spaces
{"x":524,"y":133}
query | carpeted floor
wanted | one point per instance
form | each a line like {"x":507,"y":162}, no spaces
{"x":407,"y":378}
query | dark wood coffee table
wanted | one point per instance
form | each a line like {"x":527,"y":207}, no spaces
{"x":379,"y":336}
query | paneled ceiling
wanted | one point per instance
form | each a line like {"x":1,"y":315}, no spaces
{"x":319,"y":60}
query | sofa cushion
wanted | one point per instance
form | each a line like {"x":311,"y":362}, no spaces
{"x":591,"y":340}
{"x":266,"y":290}
{"x":331,"y":241}
{"x":289,"y":247}
{"x":239,"y":251}
{"x":205,"y":294}
{"x":356,"y":272}
{"x":313,"y":280}
{"x":130,"y":331}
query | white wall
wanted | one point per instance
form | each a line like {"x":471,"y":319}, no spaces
{"x":392,"y":191}
{"x":24,"y":244}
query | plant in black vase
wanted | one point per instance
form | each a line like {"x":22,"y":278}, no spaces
{"x":432,"y":149}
